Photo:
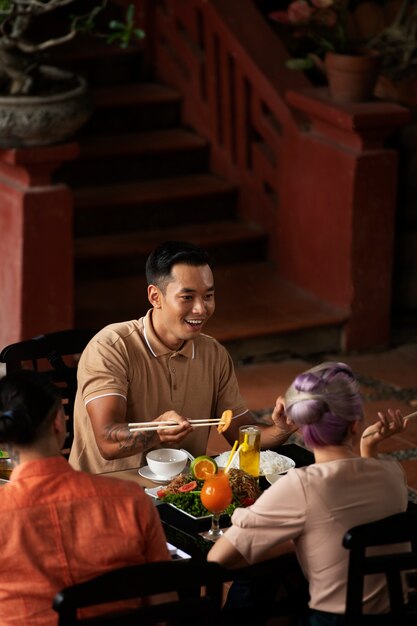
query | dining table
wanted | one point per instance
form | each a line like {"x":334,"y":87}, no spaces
{"x":184,"y":531}
{"x":181,"y":530}
{"x":183,"y":536}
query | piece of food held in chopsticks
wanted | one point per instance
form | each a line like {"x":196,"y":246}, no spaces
{"x":225,"y":421}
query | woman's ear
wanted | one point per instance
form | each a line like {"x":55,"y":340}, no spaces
{"x":154,"y":296}
{"x":356,"y":427}
{"x":59,"y":423}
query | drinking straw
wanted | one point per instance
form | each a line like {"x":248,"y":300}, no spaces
{"x":231,"y":455}
{"x":243,"y":446}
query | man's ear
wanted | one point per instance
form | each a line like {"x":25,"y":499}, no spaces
{"x":154,"y":296}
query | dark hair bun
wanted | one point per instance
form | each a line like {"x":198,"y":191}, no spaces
{"x":15,"y":426}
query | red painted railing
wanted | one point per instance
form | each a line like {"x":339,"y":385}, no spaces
{"x":315,"y":174}
{"x":227,"y":64}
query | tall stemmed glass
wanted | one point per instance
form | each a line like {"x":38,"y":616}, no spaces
{"x":216,"y":495}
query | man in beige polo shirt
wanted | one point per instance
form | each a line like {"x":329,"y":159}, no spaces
{"x":157,"y":368}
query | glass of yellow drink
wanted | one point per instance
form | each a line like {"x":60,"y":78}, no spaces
{"x":250,"y":455}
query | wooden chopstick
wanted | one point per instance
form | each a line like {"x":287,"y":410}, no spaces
{"x":407,"y":417}
{"x":213,"y":420}
{"x":162,"y":426}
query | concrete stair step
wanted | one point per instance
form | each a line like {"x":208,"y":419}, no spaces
{"x":125,"y":254}
{"x":136,"y":156}
{"x":133,"y":107}
{"x":152,"y":204}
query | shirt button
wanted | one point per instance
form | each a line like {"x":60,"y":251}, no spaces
{"x":173,"y":370}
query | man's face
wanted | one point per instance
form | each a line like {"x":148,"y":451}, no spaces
{"x":188,"y":302}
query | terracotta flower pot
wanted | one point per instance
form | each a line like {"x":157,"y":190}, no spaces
{"x":351,"y":78}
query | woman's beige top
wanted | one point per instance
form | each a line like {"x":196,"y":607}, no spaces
{"x":314,"y":506}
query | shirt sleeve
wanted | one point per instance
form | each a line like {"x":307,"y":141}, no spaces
{"x":278,"y":515}
{"x":103,"y":368}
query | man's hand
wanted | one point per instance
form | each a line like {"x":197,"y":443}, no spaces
{"x":177,"y":433}
{"x":283,"y":426}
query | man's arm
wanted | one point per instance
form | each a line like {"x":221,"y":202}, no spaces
{"x":271,"y":436}
{"x":113,"y":437}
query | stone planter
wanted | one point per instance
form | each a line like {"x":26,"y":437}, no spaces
{"x":44,"y":120}
{"x":351,"y":78}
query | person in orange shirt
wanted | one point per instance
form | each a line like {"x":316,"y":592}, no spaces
{"x":59,"y":526}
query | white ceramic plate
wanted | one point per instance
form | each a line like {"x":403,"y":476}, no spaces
{"x":145,"y":472}
{"x":152,"y":491}
{"x":268,"y":457}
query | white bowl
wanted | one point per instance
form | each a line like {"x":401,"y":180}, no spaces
{"x":166,"y":462}
{"x":272,"y":478}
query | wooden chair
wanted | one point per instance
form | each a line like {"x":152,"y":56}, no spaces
{"x":198,"y":585}
{"x":57,"y":355}
{"x":400,"y":528}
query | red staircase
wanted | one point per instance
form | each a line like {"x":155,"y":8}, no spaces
{"x":143,"y":177}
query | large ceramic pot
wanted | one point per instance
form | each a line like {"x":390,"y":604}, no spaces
{"x":351,"y":78}
{"x":48,"y":119}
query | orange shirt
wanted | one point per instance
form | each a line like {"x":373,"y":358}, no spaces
{"x":59,"y":527}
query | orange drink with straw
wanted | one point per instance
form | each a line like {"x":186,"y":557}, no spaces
{"x":216,"y":495}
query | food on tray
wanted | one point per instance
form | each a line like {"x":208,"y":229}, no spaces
{"x":271,"y":462}
{"x":203,"y":466}
{"x":244,"y":486}
{"x":182,"y":493}
{"x":225,"y":421}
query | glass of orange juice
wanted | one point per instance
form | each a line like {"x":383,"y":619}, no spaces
{"x":250,"y":455}
{"x":216,"y":495}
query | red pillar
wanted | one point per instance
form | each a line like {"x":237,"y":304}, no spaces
{"x":36,"y":258}
{"x":337,"y":233}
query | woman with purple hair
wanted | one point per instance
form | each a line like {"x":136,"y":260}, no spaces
{"x":310,"y":508}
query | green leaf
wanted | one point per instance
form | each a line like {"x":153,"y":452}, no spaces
{"x":299,"y":64}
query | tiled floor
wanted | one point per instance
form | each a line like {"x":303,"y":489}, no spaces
{"x":388,"y":379}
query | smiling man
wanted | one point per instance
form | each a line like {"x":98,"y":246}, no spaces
{"x":157,"y":368}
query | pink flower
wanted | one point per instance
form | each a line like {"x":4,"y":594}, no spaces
{"x":322,"y":4}
{"x":280,"y":16}
{"x":299,"y":12}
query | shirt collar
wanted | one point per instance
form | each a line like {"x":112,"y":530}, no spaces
{"x":48,"y":465}
{"x":155,"y":345}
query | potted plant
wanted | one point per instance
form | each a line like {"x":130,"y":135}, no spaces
{"x":325,"y":29}
{"x":40,"y":103}
{"x":397,"y":46}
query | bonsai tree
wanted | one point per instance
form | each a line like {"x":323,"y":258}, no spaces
{"x":23,"y":51}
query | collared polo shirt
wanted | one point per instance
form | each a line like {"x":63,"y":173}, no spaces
{"x":60,"y":527}
{"x":128,"y":359}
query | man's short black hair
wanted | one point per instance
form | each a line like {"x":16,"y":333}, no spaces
{"x":161,"y":261}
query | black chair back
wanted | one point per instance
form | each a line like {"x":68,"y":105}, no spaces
{"x":198,"y":586}
{"x":57,"y":355}
{"x":400,"y":528}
